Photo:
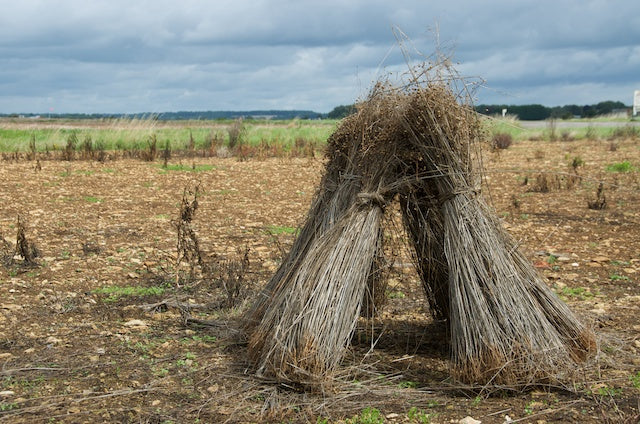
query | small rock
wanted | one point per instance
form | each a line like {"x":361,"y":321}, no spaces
{"x":133,"y":275}
{"x":213,"y":389}
{"x":392,"y":415}
{"x":10,"y":307}
{"x":507,"y":419}
{"x":53,"y":340}
{"x":7,"y":393}
{"x":469,"y":420}
{"x":600,"y":259}
{"x":156,"y":402}
{"x":135,"y":323}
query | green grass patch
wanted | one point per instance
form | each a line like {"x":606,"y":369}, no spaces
{"x":367,"y":416}
{"x":395,"y":295}
{"x":581,"y":293}
{"x":617,"y":277}
{"x":408,"y":385}
{"x":620,"y":263}
{"x":416,"y":415}
{"x":620,"y":167}
{"x":278,"y":229}
{"x":188,"y":168}
{"x":92,"y":199}
{"x":8,"y":406}
{"x":607,"y":391}
{"x":115,"y":293}
{"x":83,"y":172}
{"x":223,"y":192}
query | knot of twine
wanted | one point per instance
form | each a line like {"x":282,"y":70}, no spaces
{"x":375,"y":198}
{"x":445,"y":197}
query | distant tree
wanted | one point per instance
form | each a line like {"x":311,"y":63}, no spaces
{"x":341,"y":111}
{"x":588,"y":111}
{"x":561,"y":112}
{"x":604,"y":108}
{"x":524,"y":112}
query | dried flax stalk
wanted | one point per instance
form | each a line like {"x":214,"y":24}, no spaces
{"x":506,"y":325}
{"x":308,"y":325}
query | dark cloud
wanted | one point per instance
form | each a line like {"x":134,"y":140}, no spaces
{"x":125,"y":56}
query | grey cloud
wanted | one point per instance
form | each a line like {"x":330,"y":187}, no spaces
{"x":163,"y":55}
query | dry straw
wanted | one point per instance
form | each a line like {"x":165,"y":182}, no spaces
{"x":417,"y":142}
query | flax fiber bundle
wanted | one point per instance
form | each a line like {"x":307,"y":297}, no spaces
{"x":506,"y":325}
{"x":303,"y":319}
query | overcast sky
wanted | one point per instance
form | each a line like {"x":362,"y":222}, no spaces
{"x":118,"y":56}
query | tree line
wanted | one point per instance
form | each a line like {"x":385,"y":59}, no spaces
{"x":532,"y":112}
{"x":183,"y":115}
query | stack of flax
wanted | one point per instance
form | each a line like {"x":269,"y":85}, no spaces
{"x":417,"y":143}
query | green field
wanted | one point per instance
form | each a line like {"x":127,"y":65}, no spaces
{"x":19,"y":135}
{"x":571,"y":129}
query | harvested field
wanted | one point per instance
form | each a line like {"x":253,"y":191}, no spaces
{"x":106,"y":329}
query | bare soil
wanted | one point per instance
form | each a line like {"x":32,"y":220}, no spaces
{"x":72,"y":351}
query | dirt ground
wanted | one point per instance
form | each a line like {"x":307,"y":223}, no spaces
{"x":82,"y":341}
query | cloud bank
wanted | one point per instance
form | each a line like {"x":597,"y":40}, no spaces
{"x":155,"y":56}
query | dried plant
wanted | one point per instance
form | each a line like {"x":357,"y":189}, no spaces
{"x":187,"y":245}
{"x":600,"y":201}
{"x":24,"y":248}
{"x":236,"y":132}
{"x":166,"y":154}
{"x":87,"y":148}
{"x":68,"y":153}
{"x":33,"y":150}
{"x":501,"y":141}
{"x":152,"y":148}
{"x":230,"y":276}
